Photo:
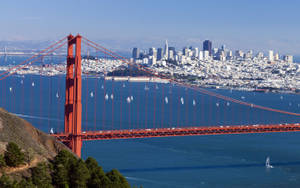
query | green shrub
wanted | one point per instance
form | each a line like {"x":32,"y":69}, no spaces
{"x":13,"y":155}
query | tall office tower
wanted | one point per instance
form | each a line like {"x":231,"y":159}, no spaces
{"x":172,"y":49}
{"x":215,"y":51}
{"x":206,"y":55}
{"x":172,"y":52}
{"x":201,"y":55}
{"x":271,"y":55}
{"x":160,"y":54}
{"x":185,"y":51}
{"x":153,"y":52}
{"x":135,"y":53}
{"x":166,"y":50}
{"x":276,"y":57}
{"x":288,"y":58}
{"x":223,"y":47}
{"x":196,"y":52}
{"x":207,"y":46}
{"x":171,"y":55}
{"x":152,"y":60}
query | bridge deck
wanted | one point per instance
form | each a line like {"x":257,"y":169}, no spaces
{"x":188,"y":131}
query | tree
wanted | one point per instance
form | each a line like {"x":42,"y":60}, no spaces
{"x":97,"y":174}
{"x":61,"y":167}
{"x":60,"y":176}
{"x":13,"y":155}
{"x":41,"y":176}
{"x":117,"y":179}
{"x":79,"y":174}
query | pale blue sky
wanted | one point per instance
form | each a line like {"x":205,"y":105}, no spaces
{"x":245,"y":24}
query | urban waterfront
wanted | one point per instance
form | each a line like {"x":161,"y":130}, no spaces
{"x":208,"y":161}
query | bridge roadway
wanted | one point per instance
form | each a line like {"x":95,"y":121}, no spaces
{"x":186,"y":131}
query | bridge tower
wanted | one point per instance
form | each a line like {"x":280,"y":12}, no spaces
{"x":73,"y":106}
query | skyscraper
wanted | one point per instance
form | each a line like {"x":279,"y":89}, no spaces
{"x":172,"y":52}
{"x":271,"y":55}
{"x":135,"y":53}
{"x":153,"y":52}
{"x":207,"y":46}
{"x":160,"y":54}
{"x":166,"y":50}
{"x":196,"y":52}
{"x":185,"y":51}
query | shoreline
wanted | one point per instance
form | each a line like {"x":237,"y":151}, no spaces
{"x":144,"y":79}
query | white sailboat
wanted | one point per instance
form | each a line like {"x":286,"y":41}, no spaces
{"x":194,"y":102}
{"x":268,"y":163}
{"x":128,"y":100}
{"x":106,"y":96}
{"x":92,"y":94}
{"x":217,"y":104}
{"x":51,"y":131}
{"x":182,"y":100}
{"x":32,"y":84}
{"x":131,"y":98}
{"x":112,"y":96}
{"x":166,"y":100}
{"x":10,"y":89}
{"x":57,"y":96}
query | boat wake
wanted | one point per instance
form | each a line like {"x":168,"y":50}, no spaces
{"x":37,"y":117}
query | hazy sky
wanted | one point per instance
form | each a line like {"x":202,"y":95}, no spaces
{"x":245,"y":24}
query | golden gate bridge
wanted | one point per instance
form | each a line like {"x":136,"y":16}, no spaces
{"x":73,"y":136}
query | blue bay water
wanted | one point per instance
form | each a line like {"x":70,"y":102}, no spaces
{"x":194,"y":161}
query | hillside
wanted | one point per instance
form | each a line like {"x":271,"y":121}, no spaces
{"x":30,"y":158}
{"x":38,"y":143}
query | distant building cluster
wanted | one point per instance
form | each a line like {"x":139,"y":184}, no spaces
{"x":168,"y":54}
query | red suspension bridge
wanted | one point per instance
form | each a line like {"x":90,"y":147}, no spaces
{"x":73,"y":135}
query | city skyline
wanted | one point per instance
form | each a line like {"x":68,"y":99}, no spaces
{"x":262,"y":25}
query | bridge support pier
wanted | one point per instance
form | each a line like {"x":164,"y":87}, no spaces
{"x":73,"y":106}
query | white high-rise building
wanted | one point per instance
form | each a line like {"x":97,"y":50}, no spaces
{"x":271,"y":55}
{"x":166,"y":50}
{"x":196,"y":52}
{"x":171,"y":55}
{"x":206,"y":55}
{"x":153,"y":52}
{"x":276,"y":57}
{"x":201,"y":55}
